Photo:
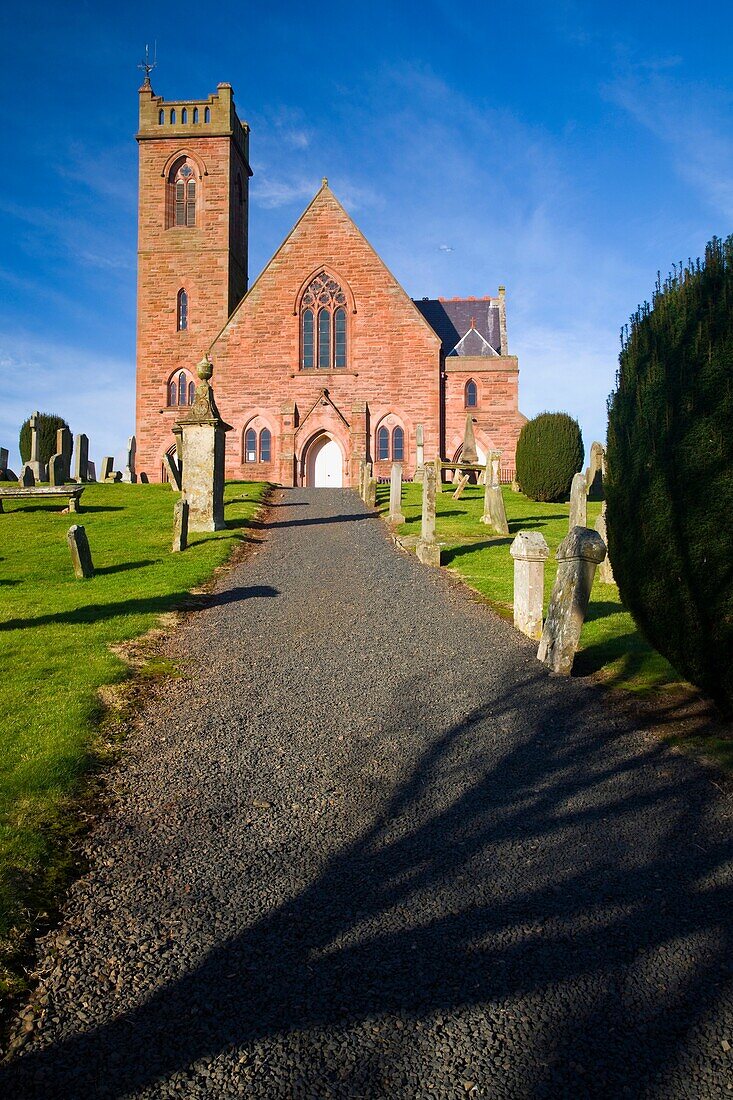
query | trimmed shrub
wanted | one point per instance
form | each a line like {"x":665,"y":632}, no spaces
{"x":670,"y":471}
{"x":48,"y":425}
{"x":549,"y":452}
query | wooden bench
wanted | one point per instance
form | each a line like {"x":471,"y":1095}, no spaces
{"x":71,"y":493}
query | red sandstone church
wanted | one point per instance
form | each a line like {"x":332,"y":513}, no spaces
{"x":325,"y":359}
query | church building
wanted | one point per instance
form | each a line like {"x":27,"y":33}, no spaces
{"x":324,"y":360}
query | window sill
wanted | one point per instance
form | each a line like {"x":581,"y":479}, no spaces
{"x":317,"y":372}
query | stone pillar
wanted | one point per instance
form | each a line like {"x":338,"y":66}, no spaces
{"x":605,"y":569}
{"x":494,"y":510}
{"x":462,"y":483}
{"x":530,"y":552}
{"x":81,"y":555}
{"x":81,"y":458}
{"x":427,"y":549}
{"x":202,"y":445}
{"x":180,"y":526}
{"x":360,"y":476}
{"x":438,"y":467}
{"x":420,"y":447}
{"x":370,"y":497}
{"x":578,"y":502}
{"x":56,"y":469}
{"x":129,"y":475}
{"x":365,"y":479}
{"x":39,"y":470}
{"x":395,"y":494}
{"x":578,"y":555}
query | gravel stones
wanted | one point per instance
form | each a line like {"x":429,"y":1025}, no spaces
{"x":354,"y":856}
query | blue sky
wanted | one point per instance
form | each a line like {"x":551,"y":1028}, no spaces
{"x":567,"y":150}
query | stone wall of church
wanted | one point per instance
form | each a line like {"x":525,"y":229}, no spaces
{"x":497,"y":420}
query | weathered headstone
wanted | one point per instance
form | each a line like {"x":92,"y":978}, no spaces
{"x":395,"y":494}
{"x":438,"y":467}
{"x":27,"y":478}
{"x":202,"y":456}
{"x":56,"y":470}
{"x":368,"y":471}
{"x":605,"y":569}
{"x":428,"y":549}
{"x":81,"y":458}
{"x":578,"y":502}
{"x":578,"y":555}
{"x":516,"y":487}
{"x":360,"y":476}
{"x":64,"y":446}
{"x":81,"y":555}
{"x":108,"y":464}
{"x":530,"y":552}
{"x":460,"y":486}
{"x":371,"y":493}
{"x":494,"y":509}
{"x":420,"y":447}
{"x":596,"y":472}
{"x":174,"y":471}
{"x":91,"y":471}
{"x":129,"y":476}
{"x":180,"y":525}
{"x":4,"y":456}
{"x":38,"y":468}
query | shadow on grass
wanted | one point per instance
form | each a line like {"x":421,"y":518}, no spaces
{"x":448,"y":555}
{"x":615,"y":933}
{"x":630,"y":657}
{"x":57,"y":508}
{"x":125,"y":566}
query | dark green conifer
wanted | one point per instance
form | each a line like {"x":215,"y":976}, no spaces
{"x":549,"y":452}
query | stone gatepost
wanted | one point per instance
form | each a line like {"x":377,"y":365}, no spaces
{"x":129,"y":476}
{"x":494,"y":510}
{"x":81,"y":555}
{"x":578,"y":502}
{"x":39,"y":470}
{"x":462,"y":483}
{"x":605,"y":569}
{"x":420,"y":448}
{"x":530,"y":552}
{"x":395,"y":494}
{"x":202,"y":456}
{"x":427,"y":549}
{"x":81,"y":458}
{"x":64,"y":447}
{"x":578,"y":555}
{"x":180,"y":526}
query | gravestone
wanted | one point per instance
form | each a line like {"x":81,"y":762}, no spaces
{"x":360,"y":476}
{"x":27,"y":478}
{"x":56,"y":470}
{"x":202,"y":434}
{"x":4,"y":456}
{"x":81,"y":458}
{"x":107,"y":471}
{"x":174,"y":471}
{"x":578,"y":555}
{"x":530,"y":552}
{"x":64,"y":445}
{"x":368,"y":469}
{"x":371,"y":493}
{"x":395,"y":494}
{"x":578,"y":502}
{"x":462,"y":483}
{"x":469,"y":453}
{"x":438,"y":467}
{"x":81,"y":555}
{"x":38,"y":468}
{"x":129,"y":476}
{"x":427,"y":549}
{"x":420,"y":447}
{"x":494,"y":510}
{"x":605,"y":569}
{"x":91,"y":471}
{"x":180,"y":525}
{"x":596,"y":472}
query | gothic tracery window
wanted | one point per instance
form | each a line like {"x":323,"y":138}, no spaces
{"x":181,"y":210}
{"x":181,"y":389}
{"x":323,"y":324}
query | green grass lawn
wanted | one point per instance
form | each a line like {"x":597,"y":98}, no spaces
{"x":55,"y":638}
{"x":610,"y":644}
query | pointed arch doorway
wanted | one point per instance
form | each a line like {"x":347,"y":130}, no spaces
{"x":324,"y":464}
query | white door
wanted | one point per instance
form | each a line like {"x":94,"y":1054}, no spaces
{"x":327,"y":466}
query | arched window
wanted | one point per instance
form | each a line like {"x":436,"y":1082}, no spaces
{"x":207,"y":115}
{"x":383,"y":444}
{"x":161,"y":117}
{"x":182,"y":388}
{"x":471,"y":394}
{"x":250,"y":445}
{"x":326,"y":296}
{"x":195,"y":114}
{"x":191,"y":392}
{"x":182,"y":194}
{"x":398,"y":445}
{"x":173,"y":393}
{"x":173,"y":116}
{"x":182,"y":311}
{"x":184,"y":116}
{"x":265,"y":445}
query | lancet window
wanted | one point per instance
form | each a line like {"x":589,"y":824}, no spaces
{"x":323,"y":325}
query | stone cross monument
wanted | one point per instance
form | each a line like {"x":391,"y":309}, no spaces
{"x":201,"y":435}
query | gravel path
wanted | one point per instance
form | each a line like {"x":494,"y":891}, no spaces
{"x":368,"y":847}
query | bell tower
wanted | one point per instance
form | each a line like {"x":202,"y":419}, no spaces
{"x":193,"y":214}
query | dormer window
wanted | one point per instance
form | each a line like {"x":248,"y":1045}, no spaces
{"x":323,"y":325}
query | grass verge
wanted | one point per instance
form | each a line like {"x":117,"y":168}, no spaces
{"x":61,"y":641}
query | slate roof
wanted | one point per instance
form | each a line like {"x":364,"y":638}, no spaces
{"x":451,"y":319}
